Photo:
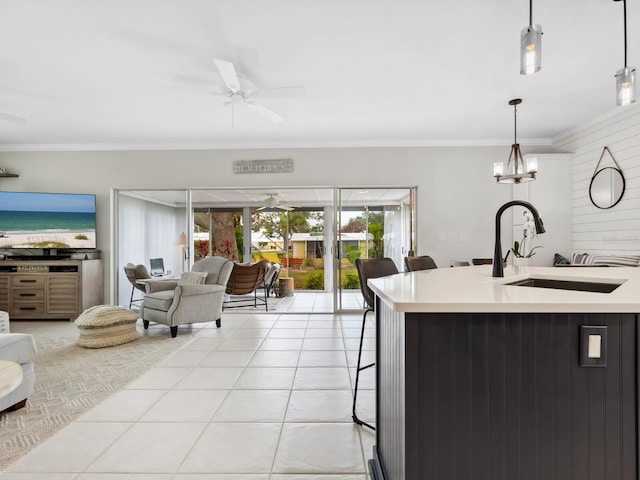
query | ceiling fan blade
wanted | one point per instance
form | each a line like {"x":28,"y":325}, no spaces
{"x":228,"y":73}
{"x":265,"y":112}
{"x":261,"y":208}
{"x":286,"y":209}
{"x":12,"y":118}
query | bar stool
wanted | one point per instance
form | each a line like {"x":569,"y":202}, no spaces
{"x":424,"y":262}
{"x":368,"y":268}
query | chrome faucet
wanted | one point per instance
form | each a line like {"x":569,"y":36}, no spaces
{"x":497,"y":252}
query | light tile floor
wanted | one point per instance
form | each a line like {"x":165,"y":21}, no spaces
{"x":265,"y":397}
{"x":319,"y":302}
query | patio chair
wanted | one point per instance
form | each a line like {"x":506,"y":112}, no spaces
{"x":270,"y":279}
{"x":135,"y":273}
{"x":244,"y":280}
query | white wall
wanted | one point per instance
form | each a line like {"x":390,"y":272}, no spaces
{"x":550,"y":193}
{"x":615,"y":230}
{"x":457,"y":196}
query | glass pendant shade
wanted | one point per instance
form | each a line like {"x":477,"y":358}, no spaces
{"x":625,"y":86}
{"x":532,"y":165}
{"x":530,"y":49}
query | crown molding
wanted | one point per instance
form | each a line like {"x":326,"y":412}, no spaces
{"x":95,"y":147}
{"x":621,"y":112}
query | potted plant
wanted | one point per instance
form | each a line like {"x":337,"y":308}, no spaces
{"x":521,"y":254}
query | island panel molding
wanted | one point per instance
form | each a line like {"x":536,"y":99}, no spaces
{"x":483,"y":395}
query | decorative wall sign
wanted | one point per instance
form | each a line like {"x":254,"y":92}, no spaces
{"x":263,"y":166}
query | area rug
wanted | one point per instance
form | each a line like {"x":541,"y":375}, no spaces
{"x":72,"y":379}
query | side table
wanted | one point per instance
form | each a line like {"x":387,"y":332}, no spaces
{"x":285,"y":287}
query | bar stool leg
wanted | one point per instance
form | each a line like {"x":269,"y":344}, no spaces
{"x":354,"y":415}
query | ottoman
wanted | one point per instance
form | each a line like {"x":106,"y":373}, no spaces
{"x":106,"y":326}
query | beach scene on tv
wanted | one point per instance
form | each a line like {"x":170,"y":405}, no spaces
{"x":47,"y":220}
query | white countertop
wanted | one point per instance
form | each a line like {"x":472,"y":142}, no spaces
{"x":473,"y":289}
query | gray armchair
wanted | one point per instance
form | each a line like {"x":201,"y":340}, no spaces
{"x":172,"y":304}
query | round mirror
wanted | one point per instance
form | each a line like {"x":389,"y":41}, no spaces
{"x":607,"y":187}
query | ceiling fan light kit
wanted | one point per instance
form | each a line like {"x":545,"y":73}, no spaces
{"x":625,"y":77}
{"x":530,"y":46}
{"x":515,"y":171}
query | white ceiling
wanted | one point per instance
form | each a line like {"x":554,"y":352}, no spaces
{"x":139,"y":73}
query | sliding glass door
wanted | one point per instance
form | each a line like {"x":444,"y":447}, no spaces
{"x":370,"y":223}
{"x":316,"y":234}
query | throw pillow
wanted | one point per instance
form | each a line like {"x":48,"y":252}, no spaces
{"x":560,"y":260}
{"x":616,"y":260}
{"x":581,"y":259}
{"x":192,"y":278}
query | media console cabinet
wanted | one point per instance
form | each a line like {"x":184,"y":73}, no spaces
{"x":49,"y":289}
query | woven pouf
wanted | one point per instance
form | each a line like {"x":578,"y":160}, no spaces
{"x":106,"y":326}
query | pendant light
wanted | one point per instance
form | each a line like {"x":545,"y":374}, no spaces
{"x":515,"y":171}
{"x":625,"y":77}
{"x":530,"y":46}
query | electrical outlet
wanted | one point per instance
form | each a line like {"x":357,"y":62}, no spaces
{"x":593,"y":346}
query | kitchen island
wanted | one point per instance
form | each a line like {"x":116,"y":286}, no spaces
{"x":481,"y":380}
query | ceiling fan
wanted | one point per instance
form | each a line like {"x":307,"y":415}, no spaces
{"x":237,"y":95}
{"x":272,"y":202}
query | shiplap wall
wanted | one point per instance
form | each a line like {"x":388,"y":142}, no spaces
{"x":615,"y":230}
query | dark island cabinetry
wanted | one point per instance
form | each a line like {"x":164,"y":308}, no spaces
{"x":486,"y":396}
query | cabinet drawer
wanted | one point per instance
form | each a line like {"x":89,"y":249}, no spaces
{"x":4,"y":293}
{"x":28,"y":281}
{"x":28,"y":295}
{"x":24,"y":309}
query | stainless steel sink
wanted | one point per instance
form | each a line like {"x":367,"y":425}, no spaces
{"x":583,"y":286}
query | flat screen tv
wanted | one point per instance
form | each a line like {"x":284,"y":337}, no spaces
{"x":47,"y":220}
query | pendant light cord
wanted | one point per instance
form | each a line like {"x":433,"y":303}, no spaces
{"x":624,"y":7}
{"x":515,"y":125}
{"x":531,"y":14}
